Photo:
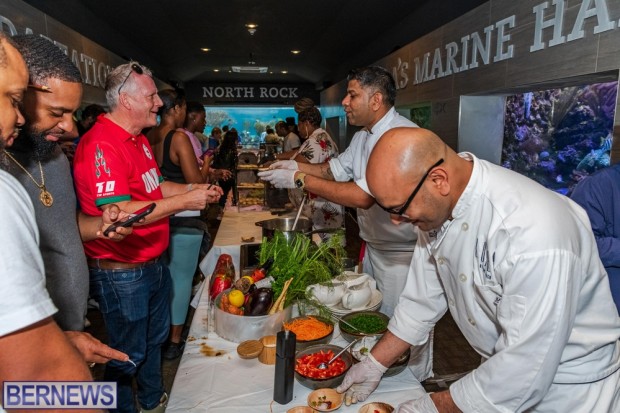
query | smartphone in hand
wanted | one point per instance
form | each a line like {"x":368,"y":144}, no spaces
{"x":132,"y":219}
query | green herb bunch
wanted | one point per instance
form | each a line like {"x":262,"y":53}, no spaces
{"x":302,"y":260}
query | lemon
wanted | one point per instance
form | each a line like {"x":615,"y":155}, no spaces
{"x":236,"y":298}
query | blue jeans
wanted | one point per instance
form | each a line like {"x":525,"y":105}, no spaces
{"x":135,"y":305}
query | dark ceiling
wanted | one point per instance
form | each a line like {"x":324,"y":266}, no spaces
{"x":333,"y":35}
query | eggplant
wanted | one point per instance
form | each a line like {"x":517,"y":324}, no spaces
{"x":260,"y":302}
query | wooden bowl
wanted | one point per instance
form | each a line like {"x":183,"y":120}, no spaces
{"x":325,"y":400}
{"x":301,"y":409}
{"x":268,"y":354}
{"x":376,"y":407}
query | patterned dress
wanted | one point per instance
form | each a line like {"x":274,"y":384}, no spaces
{"x":318,"y":148}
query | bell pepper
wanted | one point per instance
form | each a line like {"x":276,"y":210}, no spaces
{"x":219,"y":283}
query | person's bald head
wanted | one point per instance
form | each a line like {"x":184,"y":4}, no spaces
{"x":398,"y":164}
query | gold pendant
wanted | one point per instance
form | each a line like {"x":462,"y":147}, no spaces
{"x":46,"y":198}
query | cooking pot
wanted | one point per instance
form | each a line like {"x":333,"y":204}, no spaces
{"x":285,"y":225}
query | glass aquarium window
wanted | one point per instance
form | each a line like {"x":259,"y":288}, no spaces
{"x":558,"y":136}
{"x":250,"y":122}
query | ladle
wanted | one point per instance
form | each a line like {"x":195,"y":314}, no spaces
{"x":324,"y":365}
{"x":301,"y":205}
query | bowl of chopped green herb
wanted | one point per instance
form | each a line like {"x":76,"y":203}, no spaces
{"x":363,"y":323}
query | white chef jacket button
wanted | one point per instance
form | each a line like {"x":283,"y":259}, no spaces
{"x":440,"y":261}
{"x":451,"y":301}
{"x":471,"y":321}
{"x":462,"y":277}
{"x":465,"y":226}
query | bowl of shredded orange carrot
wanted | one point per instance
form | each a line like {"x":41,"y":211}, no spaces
{"x":310,"y":330}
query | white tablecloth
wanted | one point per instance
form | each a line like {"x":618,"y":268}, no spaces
{"x":212,"y":377}
{"x":234,"y":225}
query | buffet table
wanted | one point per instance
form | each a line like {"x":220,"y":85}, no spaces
{"x":234,"y":225}
{"x":213,"y":378}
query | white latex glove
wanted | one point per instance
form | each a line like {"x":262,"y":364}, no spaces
{"x":422,"y":405}
{"x":280,"y":178}
{"x":361,"y":380}
{"x":284,"y":165}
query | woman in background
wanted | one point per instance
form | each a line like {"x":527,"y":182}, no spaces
{"x":318,"y":147}
{"x":226,"y":158}
{"x":175,"y":155}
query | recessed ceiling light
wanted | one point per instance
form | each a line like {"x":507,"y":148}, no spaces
{"x":216,"y":70}
{"x":205,"y":49}
{"x":284,"y":72}
{"x":251,"y":27}
{"x":295,"y":51}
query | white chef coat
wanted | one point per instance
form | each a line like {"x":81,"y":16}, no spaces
{"x":518,"y":268}
{"x":375,"y":225}
{"x":389,"y":247}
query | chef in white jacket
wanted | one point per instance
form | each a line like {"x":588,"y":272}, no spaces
{"x":517,"y":266}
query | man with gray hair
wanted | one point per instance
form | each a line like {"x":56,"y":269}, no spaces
{"x":115,"y":163}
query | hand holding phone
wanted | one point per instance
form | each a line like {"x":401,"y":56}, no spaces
{"x":133,"y":218}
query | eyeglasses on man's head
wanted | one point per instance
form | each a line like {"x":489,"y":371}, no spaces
{"x":134,"y":68}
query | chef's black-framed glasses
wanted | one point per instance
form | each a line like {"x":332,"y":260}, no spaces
{"x":402,"y":209}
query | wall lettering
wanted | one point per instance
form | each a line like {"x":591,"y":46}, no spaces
{"x":493,"y":43}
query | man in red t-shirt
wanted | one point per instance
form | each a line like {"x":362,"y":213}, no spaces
{"x":114,"y":163}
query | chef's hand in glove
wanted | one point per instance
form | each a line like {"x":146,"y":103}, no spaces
{"x":284,"y":165}
{"x":361,"y":380}
{"x":422,"y":405}
{"x":280,"y":178}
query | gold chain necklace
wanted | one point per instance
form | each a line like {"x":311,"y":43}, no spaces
{"x":44,"y":196}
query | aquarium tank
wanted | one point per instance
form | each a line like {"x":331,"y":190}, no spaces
{"x":250,"y":122}
{"x":558,"y":136}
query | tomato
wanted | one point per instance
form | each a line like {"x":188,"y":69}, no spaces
{"x":308,"y":365}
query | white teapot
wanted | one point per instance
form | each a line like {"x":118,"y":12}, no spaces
{"x":357,"y":296}
{"x":351,"y":278}
{"x":327,"y":294}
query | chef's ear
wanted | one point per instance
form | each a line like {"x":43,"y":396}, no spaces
{"x":439,"y":180}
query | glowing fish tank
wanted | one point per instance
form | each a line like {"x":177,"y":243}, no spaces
{"x":558,"y":136}
{"x":250,"y":122}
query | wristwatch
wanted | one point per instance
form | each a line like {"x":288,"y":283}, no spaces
{"x":300,"y":180}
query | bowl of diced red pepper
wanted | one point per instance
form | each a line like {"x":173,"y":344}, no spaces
{"x":311,"y":376}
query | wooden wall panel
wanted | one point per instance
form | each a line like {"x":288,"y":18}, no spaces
{"x":594,"y":53}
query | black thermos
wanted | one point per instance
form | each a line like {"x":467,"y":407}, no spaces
{"x":285,"y":367}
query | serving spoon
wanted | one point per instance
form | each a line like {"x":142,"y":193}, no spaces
{"x":323,"y":365}
{"x":301,"y":205}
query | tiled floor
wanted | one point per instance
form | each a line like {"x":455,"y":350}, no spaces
{"x":452,"y":354}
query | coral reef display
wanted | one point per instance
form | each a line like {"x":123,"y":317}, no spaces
{"x":558,"y":136}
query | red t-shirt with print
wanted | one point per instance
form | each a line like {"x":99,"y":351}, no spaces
{"x":111,"y":165}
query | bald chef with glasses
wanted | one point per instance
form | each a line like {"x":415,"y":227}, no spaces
{"x":518,"y":268}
